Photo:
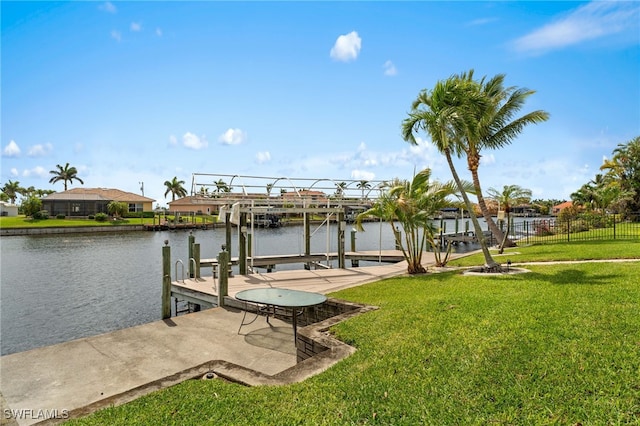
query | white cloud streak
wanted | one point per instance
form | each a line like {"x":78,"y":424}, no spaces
{"x":40,"y":150}
{"x":594,"y":20}
{"x":233,"y":137}
{"x":192,"y":141}
{"x":389,"y":69}
{"x":263,"y":157}
{"x":347,"y":47}
{"x":11,"y":150}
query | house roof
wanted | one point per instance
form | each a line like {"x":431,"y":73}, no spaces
{"x":97,"y":194}
{"x":563,"y":205}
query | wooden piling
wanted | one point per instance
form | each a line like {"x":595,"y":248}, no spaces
{"x":166,"y":282}
{"x":223,"y":283}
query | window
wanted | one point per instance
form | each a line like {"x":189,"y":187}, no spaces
{"x":135,"y":207}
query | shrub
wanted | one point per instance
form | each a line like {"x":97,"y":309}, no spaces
{"x":60,"y":216}
{"x":41,"y":214}
{"x":91,"y":217}
{"x":101,"y":217}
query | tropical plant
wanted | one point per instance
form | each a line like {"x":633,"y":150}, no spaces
{"x":340,"y":187}
{"x":31,"y":205}
{"x":12,"y":189}
{"x":624,"y":169}
{"x":363,"y":185}
{"x":413,"y":204}
{"x":117,"y":208}
{"x":221,"y":186}
{"x":448,"y":114}
{"x":65,"y":174}
{"x":510,"y":195}
{"x":495,"y":128}
{"x":174,"y":186}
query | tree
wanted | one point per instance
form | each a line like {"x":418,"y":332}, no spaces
{"x":174,"y":186}
{"x":31,"y":205}
{"x":340,"y":187}
{"x":624,"y":169}
{"x":221,"y":186}
{"x":12,"y":189}
{"x":495,"y":128}
{"x":413,"y":204}
{"x":448,"y":114}
{"x":362,"y":186}
{"x":510,"y":195}
{"x":65,"y":174}
{"x":117,"y":208}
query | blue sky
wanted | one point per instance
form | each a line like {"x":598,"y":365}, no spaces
{"x":131,"y":92}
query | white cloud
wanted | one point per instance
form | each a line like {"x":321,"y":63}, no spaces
{"x":173,"y":140}
{"x":135,"y":26}
{"x":194,"y":142}
{"x":36,"y":171}
{"x":108,"y":7}
{"x":594,"y":20}
{"x":233,"y":137}
{"x":116,"y":35}
{"x":487,"y":159}
{"x":40,"y":150}
{"x":11,"y":150}
{"x":159,"y":32}
{"x":389,"y":69}
{"x":263,"y":157}
{"x":14,"y":171}
{"x":362,"y":175}
{"x":347,"y":47}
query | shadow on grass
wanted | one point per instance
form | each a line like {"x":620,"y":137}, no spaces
{"x":570,"y":277}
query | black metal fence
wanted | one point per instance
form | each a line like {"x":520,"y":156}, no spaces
{"x":587,"y":227}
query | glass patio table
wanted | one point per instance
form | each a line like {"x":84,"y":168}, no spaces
{"x":280,"y":297}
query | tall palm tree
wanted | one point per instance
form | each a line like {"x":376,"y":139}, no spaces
{"x":363,"y":185}
{"x":448,"y":114}
{"x":12,"y":189}
{"x":624,"y":168}
{"x":221,"y":186}
{"x":510,"y":195}
{"x":65,"y":174}
{"x":175,"y":187}
{"x":340,"y":187}
{"x":496,"y":128}
{"x":413,"y":204}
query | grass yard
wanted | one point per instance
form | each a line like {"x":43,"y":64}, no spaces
{"x":557,"y":346}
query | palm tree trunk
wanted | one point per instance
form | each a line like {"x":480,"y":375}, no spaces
{"x":490,"y":264}
{"x":493,"y":227}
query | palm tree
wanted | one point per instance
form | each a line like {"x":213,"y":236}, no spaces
{"x":413,"y":204}
{"x":496,"y":128}
{"x":510,"y":195}
{"x":624,"y":168}
{"x":363,"y":185}
{"x":12,"y":189}
{"x":65,"y":174}
{"x":340,"y":187}
{"x":175,"y":187}
{"x":448,"y":114}
{"x":221,"y":186}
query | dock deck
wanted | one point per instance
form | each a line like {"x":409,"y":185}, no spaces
{"x":78,"y":377}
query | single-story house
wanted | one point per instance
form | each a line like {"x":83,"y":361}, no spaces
{"x":89,"y":201}
{"x":7,"y":209}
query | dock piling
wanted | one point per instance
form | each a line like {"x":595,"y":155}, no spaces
{"x":166,"y":281}
{"x":223,"y":265}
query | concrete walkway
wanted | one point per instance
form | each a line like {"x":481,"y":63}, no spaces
{"x":78,"y":377}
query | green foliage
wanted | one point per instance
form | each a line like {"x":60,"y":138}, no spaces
{"x":60,"y":216}
{"x":118,"y":208}
{"x":41,"y":214}
{"x":101,"y":217}
{"x":31,"y":205}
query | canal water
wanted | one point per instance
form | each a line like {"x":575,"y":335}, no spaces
{"x":56,"y":288}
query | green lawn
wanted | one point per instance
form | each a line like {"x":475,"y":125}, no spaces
{"x":559,"y":345}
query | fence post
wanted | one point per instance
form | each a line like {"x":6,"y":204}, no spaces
{"x":568,"y":230}
{"x":614,"y":226}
